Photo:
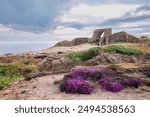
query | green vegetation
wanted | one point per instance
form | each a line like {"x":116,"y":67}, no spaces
{"x":24,"y":68}
{"x":83,"y":55}
{"x":11,"y":72}
{"x":122,"y":50}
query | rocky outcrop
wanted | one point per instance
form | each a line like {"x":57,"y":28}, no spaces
{"x":123,"y":37}
{"x":74,"y":42}
{"x":116,"y":58}
{"x":55,"y":63}
{"x":64,"y":43}
{"x":80,"y":40}
{"x":143,"y":37}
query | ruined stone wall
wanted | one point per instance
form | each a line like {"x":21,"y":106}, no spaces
{"x":97,"y":34}
{"x":108,"y":38}
{"x":80,"y":40}
{"x":74,"y":42}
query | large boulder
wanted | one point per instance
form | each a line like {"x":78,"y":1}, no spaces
{"x":123,"y":37}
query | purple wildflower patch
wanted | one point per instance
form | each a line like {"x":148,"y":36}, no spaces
{"x":78,"y":86}
{"x":132,"y":82}
{"x":78,"y":80}
{"x":110,"y":85}
{"x":92,"y":74}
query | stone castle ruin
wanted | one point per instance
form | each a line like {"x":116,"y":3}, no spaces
{"x":102,"y":37}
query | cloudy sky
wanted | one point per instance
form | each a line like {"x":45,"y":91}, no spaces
{"x":55,"y":20}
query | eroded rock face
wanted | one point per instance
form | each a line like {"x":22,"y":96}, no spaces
{"x":123,"y":37}
{"x":115,"y":58}
{"x":55,"y":64}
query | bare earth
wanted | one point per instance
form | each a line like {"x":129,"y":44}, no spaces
{"x":44,"y":88}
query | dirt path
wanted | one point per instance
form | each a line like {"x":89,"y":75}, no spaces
{"x":44,"y":88}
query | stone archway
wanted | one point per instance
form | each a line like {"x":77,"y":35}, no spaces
{"x":102,"y":36}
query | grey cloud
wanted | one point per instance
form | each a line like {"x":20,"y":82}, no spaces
{"x":76,"y":25}
{"x":116,"y":23}
{"x":112,"y":1}
{"x":145,"y":8}
{"x":34,"y":15}
{"x":128,"y":18}
{"x":39,"y":15}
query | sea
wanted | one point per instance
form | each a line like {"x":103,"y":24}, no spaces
{"x":7,"y":47}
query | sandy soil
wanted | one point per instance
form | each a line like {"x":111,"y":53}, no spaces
{"x":44,"y":88}
{"x":69,"y":49}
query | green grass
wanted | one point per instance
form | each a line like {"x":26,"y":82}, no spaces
{"x":122,"y":50}
{"x":83,"y":55}
{"x":4,"y":81}
{"x":12,"y":72}
{"x":8,"y":74}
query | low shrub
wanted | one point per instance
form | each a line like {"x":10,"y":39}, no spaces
{"x":13,"y":71}
{"x":24,"y":68}
{"x":8,"y":70}
{"x":110,"y":85}
{"x":8,"y":74}
{"x":78,"y":86}
{"x":85,"y":73}
{"x":92,"y":74}
{"x":132,"y":82}
{"x":6,"y":80}
{"x":81,"y":81}
{"x":83,"y":55}
{"x":122,"y":50}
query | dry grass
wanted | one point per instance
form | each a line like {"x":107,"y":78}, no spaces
{"x":143,"y":40}
{"x":144,"y":48}
{"x":132,"y":65}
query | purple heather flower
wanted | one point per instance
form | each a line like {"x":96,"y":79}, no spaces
{"x":110,"y":85}
{"x":86,"y":88}
{"x":77,"y":80}
{"x":93,"y":74}
{"x":78,"y":86}
{"x":132,"y":82}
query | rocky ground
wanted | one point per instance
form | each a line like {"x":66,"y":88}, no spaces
{"x":54,"y":64}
